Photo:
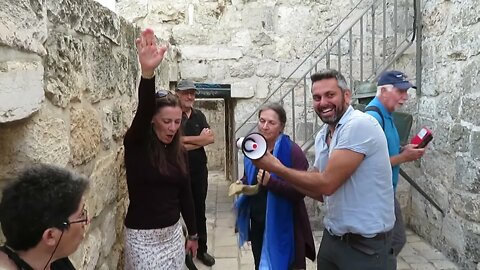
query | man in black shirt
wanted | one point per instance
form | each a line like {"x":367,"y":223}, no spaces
{"x":197,"y":134}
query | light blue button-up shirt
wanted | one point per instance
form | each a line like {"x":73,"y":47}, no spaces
{"x":364,"y":203}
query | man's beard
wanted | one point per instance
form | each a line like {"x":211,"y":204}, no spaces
{"x":339,"y":111}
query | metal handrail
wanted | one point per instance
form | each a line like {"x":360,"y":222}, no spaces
{"x":332,"y":43}
{"x":303,"y":62}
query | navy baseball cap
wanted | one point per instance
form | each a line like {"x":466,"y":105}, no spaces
{"x":396,"y":78}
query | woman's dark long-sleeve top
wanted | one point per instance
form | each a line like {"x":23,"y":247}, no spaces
{"x":304,"y":244}
{"x":156,"y":199}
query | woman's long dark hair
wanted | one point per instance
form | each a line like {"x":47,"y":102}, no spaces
{"x":165,"y":156}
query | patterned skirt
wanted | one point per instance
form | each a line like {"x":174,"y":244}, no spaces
{"x":155,"y":249}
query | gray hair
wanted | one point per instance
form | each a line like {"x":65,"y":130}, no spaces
{"x":331,"y":74}
{"x":388,"y":87}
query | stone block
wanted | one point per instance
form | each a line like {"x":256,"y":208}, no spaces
{"x":90,"y":18}
{"x":194,"y":70}
{"x":293,"y":19}
{"x":104,"y":180}
{"x":63,"y":67}
{"x":18,"y":32}
{"x":450,"y":108}
{"x":469,"y":107}
{"x":467,"y":205}
{"x":436,"y":21}
{"x":244,"y":88}
{"x":242,"y":39}
{"x":258,"y":16}
{"x":263,"y":89}
{"x":475,"y":145}
{"x":470,"y":76}
{"x":122,"y":115}
{"x":21,"y":88}
{"x":209,"y":52}
{"x":267,"y":68}
{"x":132,"y":10}
{"x":218,"y":73}
{"x":207,"y":13}
{"x":438,"y":166}
{"x":460,"y":45}
{"x":87,"y":255}
{"x":472,"y":249}
{"x":467,"y":177}
{"x":108,"y":235}
{"x":85,"y":134}
{"x":284,"y":51}
{"x":453,"y":232}
{"x":427,"y":107}
{"x":290,"y":69}
{"x":242,"y":69}
{"x":41,"y":138}
{"x":186,"y":34}
{"x":262,"y":39}
{"x":459,"y":138}
{"x":107,"y":127}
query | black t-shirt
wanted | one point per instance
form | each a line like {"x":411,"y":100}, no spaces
{"x":156,"y":198}
{"x":60,"y":264}
{"x":193,"y":126}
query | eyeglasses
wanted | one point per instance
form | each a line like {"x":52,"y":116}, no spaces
{"x":162,"y":93}
{"x":83,"y":218}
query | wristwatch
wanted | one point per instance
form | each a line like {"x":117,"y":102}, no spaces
{"x":192,"y":237}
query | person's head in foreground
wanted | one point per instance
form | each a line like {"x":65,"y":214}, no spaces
{"x":43,"y":216}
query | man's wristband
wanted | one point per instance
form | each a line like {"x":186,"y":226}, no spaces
{"x":192,"y":237}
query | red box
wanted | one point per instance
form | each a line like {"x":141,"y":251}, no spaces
{"x":423,"y":137}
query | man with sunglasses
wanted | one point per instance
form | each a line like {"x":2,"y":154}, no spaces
{"x":43,"y":218}
{"x":197,"y":135}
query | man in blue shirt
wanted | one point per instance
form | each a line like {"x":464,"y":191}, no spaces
{"x":352,"y":175}
{"x":392,"y":94}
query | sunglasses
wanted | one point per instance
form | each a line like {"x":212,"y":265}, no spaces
{"x":162,"y":93}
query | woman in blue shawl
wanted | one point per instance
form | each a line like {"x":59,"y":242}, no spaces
{"x":275,"y":219}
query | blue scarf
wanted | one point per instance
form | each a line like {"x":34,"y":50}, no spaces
{"x":278,"y":239}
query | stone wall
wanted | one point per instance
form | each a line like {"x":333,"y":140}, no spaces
{"x":251,"y":45}
{"x":68,"y":75}
{"x":214,"y":110}
{"x":449,"y":104}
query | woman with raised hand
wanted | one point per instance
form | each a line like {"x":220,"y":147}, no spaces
{"x":157,"y":174}
{"x":274,"y":218}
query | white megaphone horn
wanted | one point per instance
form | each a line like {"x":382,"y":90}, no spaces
{"x":253,"y":146}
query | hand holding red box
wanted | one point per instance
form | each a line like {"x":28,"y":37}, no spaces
{"x":423,"y":137}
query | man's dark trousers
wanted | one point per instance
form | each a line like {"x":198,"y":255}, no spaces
{"x":358,"y":254}
{"x":199,"y":180}
{"x":399,"y":239}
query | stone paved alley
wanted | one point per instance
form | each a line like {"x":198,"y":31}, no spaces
{"x":417,"y":254}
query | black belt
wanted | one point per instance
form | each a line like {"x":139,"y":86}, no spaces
{"x":350,"y":237}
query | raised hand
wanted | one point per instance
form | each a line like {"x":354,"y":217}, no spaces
{"x":149,"y":54}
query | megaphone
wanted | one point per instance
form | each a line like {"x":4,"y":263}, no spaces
{"x":253,"y":146}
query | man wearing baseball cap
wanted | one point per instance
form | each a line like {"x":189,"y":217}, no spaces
{"x":197,"y":134}
{"x":391,"y":94}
